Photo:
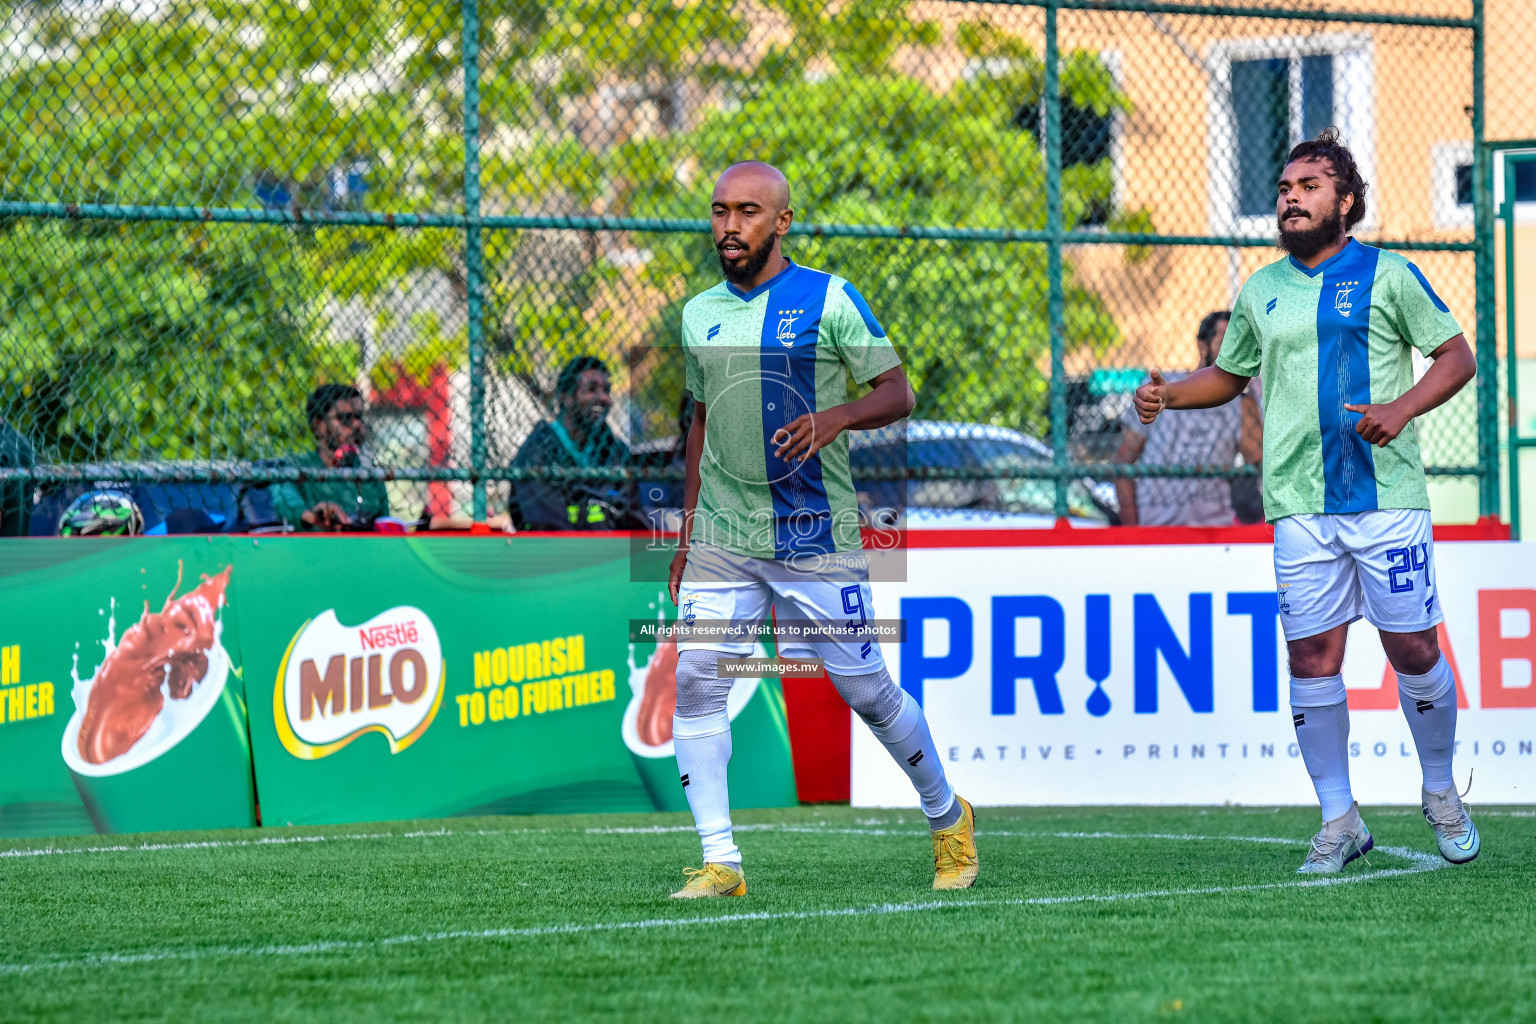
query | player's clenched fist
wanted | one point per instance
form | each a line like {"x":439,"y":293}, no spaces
{"x":1379,"y":424}
{"x":1152,"y":397}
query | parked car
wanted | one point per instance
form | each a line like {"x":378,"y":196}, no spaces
{"x":989,"y":498}
{"x":982,"y":501}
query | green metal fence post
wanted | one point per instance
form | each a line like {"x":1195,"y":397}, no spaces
{"x":1512,"y":365}
{"x":1055,"y":230}
{"x":474,"y":254}
{"x":1487,"y":320}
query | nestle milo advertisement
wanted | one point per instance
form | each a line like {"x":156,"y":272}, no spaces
{"x":122,"y":705}
{"x":434,"y":676}
{"x":145,"y":683}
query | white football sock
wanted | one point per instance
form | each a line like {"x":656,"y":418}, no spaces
{"x":906,"y":736}
{"x":703,"y":748}
{"x":1429,"y":704}
{"x":1320,"y":711}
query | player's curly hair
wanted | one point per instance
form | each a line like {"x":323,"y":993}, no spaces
{"x":1328,"y":146}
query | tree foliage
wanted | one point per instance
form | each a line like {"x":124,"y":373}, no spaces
{"x":885,"y":148}
{"x":178,"y":340}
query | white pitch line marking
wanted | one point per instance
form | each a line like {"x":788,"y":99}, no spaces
{"x":218,"y":844}
{"x":633,"y":830}
{"x":1419,"y":863}
{"x":987,"y":832}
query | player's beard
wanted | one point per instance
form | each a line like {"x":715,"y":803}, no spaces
{"x":1306,"y":242}
{"x":749,"y":265}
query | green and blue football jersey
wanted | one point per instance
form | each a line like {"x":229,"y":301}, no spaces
{"x":1321,"y":338}
{"x":757,"y":361}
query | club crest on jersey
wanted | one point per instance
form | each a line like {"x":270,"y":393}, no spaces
{"x":1341,"y":298}
{"x":786,"y":331}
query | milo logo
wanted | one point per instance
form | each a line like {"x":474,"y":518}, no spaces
{"x":337,"y":682}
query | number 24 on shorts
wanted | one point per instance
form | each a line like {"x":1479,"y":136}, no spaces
{"x":1414,"y":558}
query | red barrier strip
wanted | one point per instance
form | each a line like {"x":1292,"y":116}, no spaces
{"x":1067,"y":536}
{"x":1059,"y":536}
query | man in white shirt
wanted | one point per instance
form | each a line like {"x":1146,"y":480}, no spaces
{"x":1192,"y":437}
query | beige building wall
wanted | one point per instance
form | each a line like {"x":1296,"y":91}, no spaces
{"x":1404,"y":104}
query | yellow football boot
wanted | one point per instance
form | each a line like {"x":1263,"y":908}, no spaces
{"x":954,"y":851}
{"x":723,"y":880}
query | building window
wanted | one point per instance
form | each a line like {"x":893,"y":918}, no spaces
{"x":1272,"y":116}
{"x":1525,"y":184}
{"x":1452,"y":186}
{"x":1464,"y":184}
{"x":1086,"y":138}
{"x":1271,"y":94}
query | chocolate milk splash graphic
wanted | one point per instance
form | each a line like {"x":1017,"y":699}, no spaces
{"x":647,"y":724}
{"x":658,"y":703}
{"x":164,"y":654}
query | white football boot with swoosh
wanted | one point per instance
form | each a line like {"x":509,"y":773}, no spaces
{"x":1337,"y":843}
{"x":1454,"y":832}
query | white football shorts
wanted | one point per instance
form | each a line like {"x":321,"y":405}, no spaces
{"x":1333,"y":569}
{"x":721,"y":587}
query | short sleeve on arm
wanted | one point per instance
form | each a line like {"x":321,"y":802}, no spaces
{"x":1423,"y":319}
{"x":858,"y":336}
{"x":1241,"y":352}
{"x":692,"y":378}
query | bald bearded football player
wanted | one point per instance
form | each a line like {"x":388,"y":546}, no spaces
{"x":771,"y":519}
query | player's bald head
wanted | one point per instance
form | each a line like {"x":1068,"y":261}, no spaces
{"x":755,"y":182}
{"x":749,"y":215}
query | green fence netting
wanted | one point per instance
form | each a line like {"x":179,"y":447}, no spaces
{"x":208,"y":209}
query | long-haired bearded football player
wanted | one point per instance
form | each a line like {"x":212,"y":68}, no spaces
{"x":771,"y":519}
{"x":1331,"y":329}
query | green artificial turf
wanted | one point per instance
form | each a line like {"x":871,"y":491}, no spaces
{"x":565,"y":918}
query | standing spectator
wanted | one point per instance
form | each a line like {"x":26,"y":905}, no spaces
{"x":335,"y":413}
{"x":578,"y":437}
{"x":15,"y":495}
{"x":1205,"y":438}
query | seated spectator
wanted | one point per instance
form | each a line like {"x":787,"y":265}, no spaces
{"x":15,"y":495}
{"x":335,"y":413}
{"x":578,"y":437}
{"x":1204,"y":438}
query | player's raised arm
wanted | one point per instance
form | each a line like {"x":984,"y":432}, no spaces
{"x":1202,"y":389}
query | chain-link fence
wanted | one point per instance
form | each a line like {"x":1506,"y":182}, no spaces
{"x":210,"y":210}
